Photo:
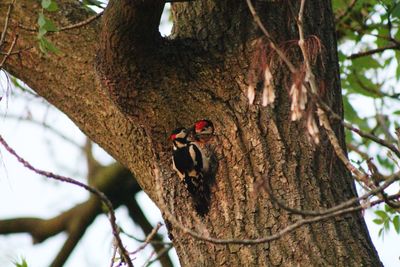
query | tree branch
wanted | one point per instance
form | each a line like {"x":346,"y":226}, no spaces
{"x":54,"y":77}
{"x":139,"y":218}
{"x":123,"y":33}
{"x":273,"y":45}
{"x":334,"y":212}
{"x":346,"y":12}
{"x":92,"y":190}
{"x":7,"y":19}
{"x":8,"y":53}
{"x":374,"y":51}
{"x":82,"y":23}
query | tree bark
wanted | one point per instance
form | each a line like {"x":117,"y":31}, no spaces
{"x":149,"y":85}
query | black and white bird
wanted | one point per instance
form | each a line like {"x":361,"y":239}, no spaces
{"x":186,"y":156}
{"x":188,"y":162}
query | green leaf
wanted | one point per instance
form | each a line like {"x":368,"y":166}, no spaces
{"x":47,"y":46}
{"x":356,"y":82}
{"x":41,"y":33}
{"x":41,"y":20}
{"x":22,"y":264}
{"x":398,"y":71}
{"x":50,"y":26}
{"x":397,"y":112}
{"x":389,"y":209}
{"x":396,"y":223}
{"x":380,"y":233}
{"x":53,"y":7}
{"x":46,"y":3}
{"x":92,"y":2}
{"x":377,"y":221}
{"x":46,"y":23}
{"x":396,"y":11}
{"x":381,"y":214}
{"x":366,"y":63}
{"x":49,"y":5}
{"x":387,"y":163}
{"x":386,"y":225}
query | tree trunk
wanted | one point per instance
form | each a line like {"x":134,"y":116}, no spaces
{"x":151,"y":85}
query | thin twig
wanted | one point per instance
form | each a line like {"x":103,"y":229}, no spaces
{"x":101,"y":195}
{"x":374,"y":51}
{"x":361,"y":177}
{"x":17,"y":51}
{"x":155,"y":242}
{"x":82,"y":23}
{"x":266,"y":239}
{"x":310,"y":77}
{"x":14,"y":42}
{"x":146,"y":263}
{"x":159,"y":255}
{"x":382,"y":122}
{"x":349,"y":126}
{"x":345,"y":13}
{"x":8,"y":15}
{"x":114,"y":253}
{"x":388,"y":181}
{"x":148,"y":238}
{"x":355,"y":149}
{"x":273,"y":45}
{"x":68,"y":27}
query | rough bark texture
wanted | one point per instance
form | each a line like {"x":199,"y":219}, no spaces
{"x":152,"y":85}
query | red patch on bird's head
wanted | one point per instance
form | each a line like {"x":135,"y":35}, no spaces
{"x":172,"y":137}
{"x":200,"y":125}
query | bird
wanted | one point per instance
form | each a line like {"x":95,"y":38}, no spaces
{"x":203,"y":131}
{"x":188,"y":162}
{"x":186,"y":156}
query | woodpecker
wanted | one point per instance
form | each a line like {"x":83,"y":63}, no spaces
{"x":187,"y":161}
{"x":203,"y":131}
{"x":186,"y":156}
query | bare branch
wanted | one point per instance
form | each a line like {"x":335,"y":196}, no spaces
{"x":161,"y":254}
{"x":310,"y":77}
{"x":148,"y":238}
{"x":273,"y":45}
{"x":82,"y":23}
{"x":388,"y":181}
{"x":137,"y":215}
{"x":101,"y":195}
{"x":374,"y":51}
{"x":17,"y":51}
{"x":361,"y":177}
{"x":382,"y":121}
{"x":349,"y":126}
{"x":355,"y":149}
{"x":346,"y":12}
{"x":8,"y":15}
{"x":14,"y":42}
{"x":68,"y":27}
{"x":332,"y":213}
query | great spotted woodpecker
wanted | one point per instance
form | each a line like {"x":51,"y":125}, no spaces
{"x":203,"y":131}
{"x":186,"y":156}
{"x":188,"y":162}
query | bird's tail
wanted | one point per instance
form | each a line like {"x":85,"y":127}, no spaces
{"x":199,"y":190}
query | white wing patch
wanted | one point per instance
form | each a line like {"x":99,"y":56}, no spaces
{"x":193,"y":155}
